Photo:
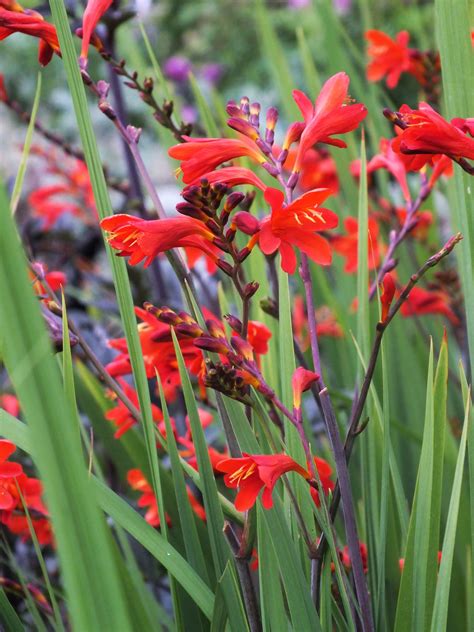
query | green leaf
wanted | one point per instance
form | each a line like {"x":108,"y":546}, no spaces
{"x":441,"y":601}
{"x":8,"y":616}
{"x":83,"y":540}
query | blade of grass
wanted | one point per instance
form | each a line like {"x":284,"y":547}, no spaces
{"x":20,"y":176}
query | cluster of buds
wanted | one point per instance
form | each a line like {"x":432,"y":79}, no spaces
{"x":212,"y":204}
{"x":245,"y":118}
{"x":236,"y":370}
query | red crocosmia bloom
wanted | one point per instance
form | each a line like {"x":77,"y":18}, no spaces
{"x":346,"y":559}
{"x":388,"y":292}
{"x":18,"y":524}
{"x":8,"y":473}
{"x":422,"y":301}
{"x":389,"y":57}
{"x":428,"y":133}
{"x":390,"y":160}
{"x":31,"y":24}
{"x":189,"y":453}
{"x":300,"y":382}
{"x":254,"y":561}
{"x":442,"y":166}
{"x":95,"y":9}
{"x":200,"y":156}
{"x":466,"y":125}
{"x":121,"y":416}
{"x":295,"y":225}
{"x":258,"y":336}
{"x":347,"y":245}
{"x":233,"y":176}
{"x":193,"y":255}
{"x":205,"y":417}
{"x":158,"y":353}
{"x":139,"y":483}
{"x":10,"y":403}
{"x":142,"y":239}
{"x":252,"y":473}
{"x":325,"y":473}
{"x":330,"y":115}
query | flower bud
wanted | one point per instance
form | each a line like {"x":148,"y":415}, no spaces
{"x":246,"y":222}
{"x":213,"y":345}
{"x":225,"y":267}
{"x":250,"y":289}
{"x":234,"y":323}
{"x":242,"y":347}
{"x":244,"y":127}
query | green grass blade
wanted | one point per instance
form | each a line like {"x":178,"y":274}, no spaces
{"x":8,"y":616}
{"x":82,"y":537}
{"x":440,"y":611}
{"x":20,"y":176}
{"x":454,"y":39}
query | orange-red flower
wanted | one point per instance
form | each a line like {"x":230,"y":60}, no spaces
{"x":95,"y":9}
{"x":138,"y":482}
{"x":347,"y":245}
{"x":232,"y":176}
{"x":158,"y":353}
{"x":295,"y":225}
{"x":199,"y":156}
{"x":31,"y":24}
{"x":318,"y":169}
{"x":324,"y":472}
{"x":331,"y":114}
{"x":391,"y":161}
{"x":428,"y":133}
{"x":142,"y":239}
{"x":389,"y":57}
{"x":252,"y":473}
{"x":422,"y":301}
{"x":8,"y":473}
{"x":326,"y":323}
{"x":346,"y":559}
{"x":300,"y":382}
{"x":388,"y":292}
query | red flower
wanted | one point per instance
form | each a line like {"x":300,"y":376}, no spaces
{"x":388,"y":292}
{"x":138,"y":482}
{"x":145,"y":239}
{"x":10,"y":403}
{"x":95,"y":9}
{"x":232,"y":176}
{"x":122,"y":417}
{"x":252,"y":473}
{"x":389,"y":57}
{"x":347,"y":245}
{"x":325,"y":472}
{"x":422,"y":301}
{"x":199,"y":156}
{"x":423,"y":220}
{"x":330,"y":115}
{"x":31,"y":24}
{"x":326,"y":323}
{"x":158,"y":353}
{"x":346,"y":560}
{"x":391,"y":161}
{"x":296,"y":225}
{"x":318,"y":169}
{"x":300,"y":382}
{"x":428,"y":133}
{"x":8,"y":473}
{"x":18,"y":524}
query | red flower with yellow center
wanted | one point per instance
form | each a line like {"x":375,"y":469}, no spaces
{"x":252,"y":473}
{"x":331,"y":114}
{"x":296,"y":225}
{"x":199,"y":156}
{"x":142,"y":239}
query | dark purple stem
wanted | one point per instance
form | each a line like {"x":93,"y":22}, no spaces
{"x":396,"y":238}
{"x":339,"y":458}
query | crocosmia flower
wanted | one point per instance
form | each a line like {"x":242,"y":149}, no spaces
{"x":8,"y":472}
{"x":386,"y":297}
{"x":142,"y":239}
{"x":324,"y":473}
{"x":31,"y":24}
{"x":347,"y":245}
{"x":389,"y":57}
{"x":428,"y":133}
{"x":252,"y":473}
{"x":421,"y":301}
{"x":300,"y":382}
{"x":95,"y":9}
{"x":331,"y":114}
{"x":296,"y":225}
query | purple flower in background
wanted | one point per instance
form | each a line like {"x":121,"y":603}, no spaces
{"x":189,"y":113}
{"x":177,"y":68}
{"x":342,"y":6}
{"x":298,"y":4}
{"x":212,"y":72}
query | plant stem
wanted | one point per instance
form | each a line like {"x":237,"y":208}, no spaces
{"x":339,"y":458}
